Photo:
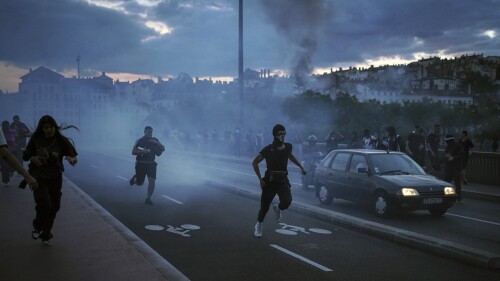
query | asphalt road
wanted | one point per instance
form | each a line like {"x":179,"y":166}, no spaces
{"x":207,"y":233}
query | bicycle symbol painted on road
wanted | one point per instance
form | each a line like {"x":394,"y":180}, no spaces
{"x":288,"y":229}
{"x":182,"y":231}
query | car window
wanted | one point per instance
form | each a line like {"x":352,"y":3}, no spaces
{"x":357,"y":161}
{"x":340,"y":161}
{"x":383,"y":163}
{"x":327,"y":160}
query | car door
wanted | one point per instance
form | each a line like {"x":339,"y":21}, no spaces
{"x":337,"y":174}
{"x":358,"y":183}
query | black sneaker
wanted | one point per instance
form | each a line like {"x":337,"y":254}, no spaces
{"x":35,"y":234}
{"x":148,"y":202}
{"x":132,"y":180}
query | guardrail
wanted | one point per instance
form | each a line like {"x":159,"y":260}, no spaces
{"x":484,"y":168}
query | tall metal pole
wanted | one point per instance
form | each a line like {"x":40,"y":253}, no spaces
{"x":240,"y":63}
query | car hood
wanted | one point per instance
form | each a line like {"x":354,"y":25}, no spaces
{"x":415,"y":181}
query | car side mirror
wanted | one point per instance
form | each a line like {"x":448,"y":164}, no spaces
{"x":363,"y":170}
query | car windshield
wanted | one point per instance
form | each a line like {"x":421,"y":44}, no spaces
{"x":395,"y":164}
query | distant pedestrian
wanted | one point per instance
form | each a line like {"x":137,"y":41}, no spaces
{"x":368,"y":141}
{"x":354,"y":142}
{"x":433,"y":142}
{"x":275,"y":180}
{"x":454,"y":156}
{"x":46,"y":150}
{"x":467,"y":146}
{"x":23,"y":133}
{"x":11,"y":139}
{"x":7,"y":158}
{"x":415,"y":146}
{"x":333,"y":139}
{"x":145,"y":149}
{"x":392,"y":141}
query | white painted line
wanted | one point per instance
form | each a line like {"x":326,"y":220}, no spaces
{"x":231,"y":171}
{"x":469,"y":218}
{"x":173,"y":200}
{"x":306,"y":260}
{"x":236,"y":172}
{"x":94,"y":166}
{"x":120,"y":177}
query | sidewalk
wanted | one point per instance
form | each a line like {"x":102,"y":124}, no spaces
{"x":89,"y":244}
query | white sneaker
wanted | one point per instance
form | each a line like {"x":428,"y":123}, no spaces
{"x":277,"y":213}
{"x":258,"y":230}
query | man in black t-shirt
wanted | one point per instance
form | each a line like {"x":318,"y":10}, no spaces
{"x":275,"y":180}
{"x":433,"y":142}
{"x":146,"y":148}
{"x":415,"y":146}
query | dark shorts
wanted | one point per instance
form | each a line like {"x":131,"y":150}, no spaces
{"x":145,"y":169}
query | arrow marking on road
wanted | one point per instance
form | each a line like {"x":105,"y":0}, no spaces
{"x":306,"y":260}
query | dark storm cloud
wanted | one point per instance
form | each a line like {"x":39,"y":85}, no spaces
{"x":294,"y":35}
{"x":385,"y":28}
{"x":53,"y":32}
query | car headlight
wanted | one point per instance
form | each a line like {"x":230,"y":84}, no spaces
{"x":449,"y":190}
{"x":408,"y":192}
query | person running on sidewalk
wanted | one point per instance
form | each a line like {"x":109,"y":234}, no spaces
{"x":46,"y":150}
{"x":146,"y":148}
{"x":275,"y":180}
{"x":6,"y":157}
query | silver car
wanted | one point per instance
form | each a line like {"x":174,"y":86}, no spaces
{"x":388,"y":181}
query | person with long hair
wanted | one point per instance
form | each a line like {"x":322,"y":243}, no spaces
{"x":46,"y":150}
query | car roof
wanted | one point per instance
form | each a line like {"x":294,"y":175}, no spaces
{"x":369,"y":151}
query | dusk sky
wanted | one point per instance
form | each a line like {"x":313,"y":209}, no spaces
{"x":128,"y":39}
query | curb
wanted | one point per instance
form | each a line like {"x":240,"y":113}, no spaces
{"x":158,"y":262}
{"x":423,"y":242}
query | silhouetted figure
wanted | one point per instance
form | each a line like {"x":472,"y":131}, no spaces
{"x":46,"y":150}
{"x":415,"y":146}
{"x":146,"y":149}
{"x":275,"y":180}
{"x":23,"y":133}
{"x":467,"y":146}
{"x":453,"y":159}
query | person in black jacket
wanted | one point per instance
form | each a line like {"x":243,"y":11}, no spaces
{"x":46,"y":150}
{"x":453,"y":164}
{"x":146,"y":148}
{"x":275,"y":180}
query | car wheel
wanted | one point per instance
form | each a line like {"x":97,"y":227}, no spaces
{"x":438,"y":211}
{"x":381,"y":204}
{"x":325,"y":196}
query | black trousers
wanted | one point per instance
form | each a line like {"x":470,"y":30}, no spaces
{"x":454,"y":175}
{"x":269,"y":192}
{"x":47,"y":203}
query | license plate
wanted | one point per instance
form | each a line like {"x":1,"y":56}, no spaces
{"x":429,"y":201}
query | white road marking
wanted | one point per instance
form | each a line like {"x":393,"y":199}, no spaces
{"x":306,"y":260}
{"x":94,"y":166}
{"x":469,"y":218}
{"x":120,"y":177}
{"x":173,"y":200}
{"x":236,"y":172}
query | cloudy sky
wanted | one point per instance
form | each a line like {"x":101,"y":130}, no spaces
{"x":128,"y":39}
